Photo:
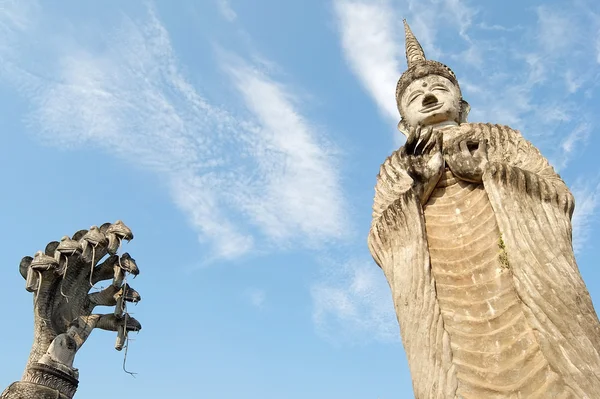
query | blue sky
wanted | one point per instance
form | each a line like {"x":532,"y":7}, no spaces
{"x":240,"y":141}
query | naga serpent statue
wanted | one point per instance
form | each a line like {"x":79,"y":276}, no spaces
{"x":472,"y":229}
{"x":60,"y":279}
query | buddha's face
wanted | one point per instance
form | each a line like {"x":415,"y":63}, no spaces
{"x":430,"y":100}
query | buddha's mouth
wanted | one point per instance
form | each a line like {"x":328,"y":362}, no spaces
{"x":431,"y":107}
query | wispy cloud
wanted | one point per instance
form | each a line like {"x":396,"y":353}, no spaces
{"x":11,"y":16}
{"x":461,"y":14}
{"x":371,"y":48}
{"x":353,"y":303}
{"x":576,"y":139}
{"x":598,"y":49}
{"x":226,"y":10}
{"x":556,"y":29}
{"x":256,"y":297}
{"x":573,"y":81}
{"x":496,"y":27}
{"x":132,"y":101}
{"x":299,"y":189}
{"x":587,"y":201}
{"x":16,"y":18}
{"x":16,"y":15}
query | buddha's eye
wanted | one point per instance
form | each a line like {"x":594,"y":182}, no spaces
{"x":439,"y":88}
{"x":413,"y":97}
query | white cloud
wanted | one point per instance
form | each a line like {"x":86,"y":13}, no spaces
{"x":580,"y":133}
{"x":587,"y":200}
{"x":16,"y":15}
{"x":427,"y":17}
{"x":133,"y":101}
{"x":461,"y":14}
{"x":573,"y":81}
{"x":16,"y":18}
{"x":371,"y":48}
{"x":198,"y":196}
{"x":556,"y":30}
{"x":256,"y":297}
{"x":575,"y":140}
{"x":506,"y":106}
{"x":299,"y":190}
{"x":472,"y":55}
{"x":353,"y":302}
{"x":537,"y":70}
{"x":226,"y":10}
{"x":598,"y":48}
{"x":496,"y":27}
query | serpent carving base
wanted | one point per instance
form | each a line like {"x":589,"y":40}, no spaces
{"x":60,"y":279}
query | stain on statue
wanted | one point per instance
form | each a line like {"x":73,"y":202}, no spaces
{"x":472,"y":229}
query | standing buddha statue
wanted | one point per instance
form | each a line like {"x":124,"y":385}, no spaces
{"x":472,"y":229}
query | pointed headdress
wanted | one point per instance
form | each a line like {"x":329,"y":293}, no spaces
{"x":419,"y":66}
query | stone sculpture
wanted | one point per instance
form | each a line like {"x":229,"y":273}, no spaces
{"x":60,"y":279}
{"x":472,"y":229}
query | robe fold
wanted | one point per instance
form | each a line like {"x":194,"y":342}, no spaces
{"x":554,"y":320}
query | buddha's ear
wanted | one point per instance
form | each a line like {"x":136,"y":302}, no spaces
{"x":464,"y":111}
{"x":403,"y":127}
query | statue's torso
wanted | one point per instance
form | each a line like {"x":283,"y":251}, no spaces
{"x":493,"y":347}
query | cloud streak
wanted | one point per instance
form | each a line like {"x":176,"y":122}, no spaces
{"x":587,"y":201}
{"x":576,"y":139}
{"x":226,"y":10}
{"x":299,"y":189}
{"x":353,"y":302}
{"x":132,"y":101}
{"x":556,"y":30}
{"x":371,"y":48}
{"x":256,"y":297}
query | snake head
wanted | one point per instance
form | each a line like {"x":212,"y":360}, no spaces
{"x":68,"y":247}
{"x":62,"y":250}
{"x":42,"y":262}
{"x":115,"y":233}
{"x":127,"y":263}
{"x":132,"y":324}
{"x":94,"y":236}
{"x":91,"y":239}
{"x":130,"y":295}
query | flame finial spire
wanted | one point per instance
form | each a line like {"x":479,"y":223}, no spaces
{"x":419,"y":67}
{"x":414,"y":51}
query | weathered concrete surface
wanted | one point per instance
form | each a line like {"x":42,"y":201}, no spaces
{"x":494,"y":348}
{"x":472,"y":228}
{"x":60,"y":278}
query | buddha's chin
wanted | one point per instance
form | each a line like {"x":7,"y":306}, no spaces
{"x":437,"y":117}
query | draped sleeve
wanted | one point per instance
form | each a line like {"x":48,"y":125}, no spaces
{"x":398,"y":243}
{"x":533,"y":208}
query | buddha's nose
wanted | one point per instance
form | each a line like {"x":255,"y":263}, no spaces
{"x":429,"y":99}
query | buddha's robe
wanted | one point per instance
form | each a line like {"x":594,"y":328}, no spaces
{"x":484,"y":281}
